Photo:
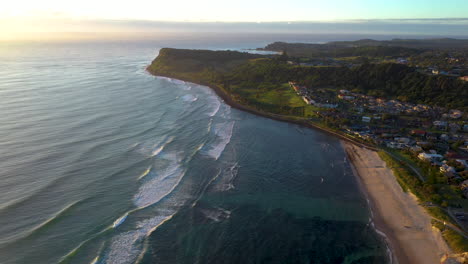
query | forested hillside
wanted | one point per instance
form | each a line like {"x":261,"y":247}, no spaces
{"x":236,"y":71}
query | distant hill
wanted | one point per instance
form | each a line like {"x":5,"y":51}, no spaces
{"x":436,"y":43}
{"x":367,"y":47}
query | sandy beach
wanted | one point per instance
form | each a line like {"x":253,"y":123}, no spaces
{"x":396,"y":214}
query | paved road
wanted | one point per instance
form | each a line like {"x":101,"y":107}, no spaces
{"x":414,"y":169}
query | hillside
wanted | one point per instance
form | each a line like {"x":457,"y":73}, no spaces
{"x":243,"y":73}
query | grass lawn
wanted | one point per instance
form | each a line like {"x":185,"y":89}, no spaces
{"x":279,"y":96}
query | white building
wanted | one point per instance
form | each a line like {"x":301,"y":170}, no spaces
{"x":429,"y":157}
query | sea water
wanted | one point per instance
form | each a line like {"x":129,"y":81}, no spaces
{"x":103,"y":163}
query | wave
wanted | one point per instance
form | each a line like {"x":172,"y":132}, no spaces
{"x":205,"y":188}
{"x":54,"y":218}
{"x":227,"y":112}
{"x":146,"y":172}
{"x":150,"y":149}
{"x":217,"y":105}
{"x":210,"y":123}
{"x":187,"y":87}
{"x":120,"y":220}
{"x":73,"y":252}
{"x":162,"y":146}
{"x":131,"y":246}
{"x":223,"y":132}
{"x":189,"y":98}
{"x":164,"y":182}
{"x":95,"y":260}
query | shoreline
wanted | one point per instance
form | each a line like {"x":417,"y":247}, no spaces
{"x":231,"y":102}
{"x":396,"y":252}
{"x":396,"y":216}
{"x":375,"y":221}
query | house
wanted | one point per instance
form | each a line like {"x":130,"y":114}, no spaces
{"x":344,"y":91}
{"x":444,"y":137}
{"x":423,"y":143}
{"x":416,"y":149}
{"x":442,"y":125}
{"x":402,"y":61}
{"x":345,"y":97}
{"x":366,"y":119}
{"x":447,"y":169}
{"x":395,"y":145}
{"x":325,"y":105}
{"x":464,"y":187}
{"x":462,"y":162}
{"x":464,"y":184}
{"x":429,"y":157}
{"x":403,"y":140}
{"x":454,"y":127}
{"x":455,"y":114}
{"x":308,"y":100}
{"x":420,"y":133}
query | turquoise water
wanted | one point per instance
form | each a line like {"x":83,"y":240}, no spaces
{"x":103,"y":163}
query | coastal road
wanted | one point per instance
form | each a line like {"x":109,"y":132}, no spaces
{"x":415,"y":170}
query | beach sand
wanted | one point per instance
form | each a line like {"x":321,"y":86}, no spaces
{"x":396,"y":214}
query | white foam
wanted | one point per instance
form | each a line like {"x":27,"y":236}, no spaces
{"x":227,"y":112}
{"x":124,"y":248}
{"x":157,"y":151}
{"x":161,"y":147}
{"x":186,"y":87}
{"x":216,"y":214}
{"x":120,"y":220}
{"x":189,"y":98}
{"x":216,"y":105}
{"x":223,"y":132}
{"x":158,"y":187}
{"x":226,"y":180}
{"x":95,"y":260}
{"x":128,"y":247}
{"x":209,"y":125}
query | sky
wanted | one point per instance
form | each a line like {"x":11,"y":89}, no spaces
{"x":36,"y":16}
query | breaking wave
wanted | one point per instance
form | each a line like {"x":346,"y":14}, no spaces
{"x":146,"y":172}
{"x":129,"y":247}
{"x":161,"y":147}
{"x":120,"y":220}
{"x":217,"y":105}
{"x":223,"y":132}
{"x":159,"y":186}
{"x":189,"y":98}
{"x":152,"y":150}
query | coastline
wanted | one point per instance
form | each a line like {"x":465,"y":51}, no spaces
{"x":404,"y":248}
{"x":396,"y":215}
{"x":231,"y":102}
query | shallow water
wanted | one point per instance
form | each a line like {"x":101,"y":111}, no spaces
{"x":103,"y":163}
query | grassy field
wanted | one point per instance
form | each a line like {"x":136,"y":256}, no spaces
{"x":278,"y":98}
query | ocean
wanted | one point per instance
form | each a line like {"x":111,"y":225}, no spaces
{"x":103,"y":163}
